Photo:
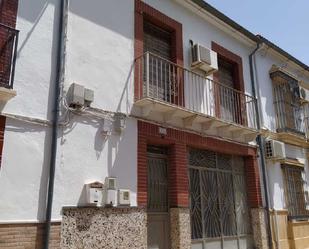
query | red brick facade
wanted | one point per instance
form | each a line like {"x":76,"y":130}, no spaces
{"x":146,"y":12}
{"x":8,"y":15}
{"x":8,"y":12}
{"x":179,"y":142}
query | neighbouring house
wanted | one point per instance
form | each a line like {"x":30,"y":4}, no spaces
{"x":148,"y":124}
{"x":282,"y":83}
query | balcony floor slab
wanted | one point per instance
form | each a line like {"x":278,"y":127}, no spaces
{"x":182,"y":117}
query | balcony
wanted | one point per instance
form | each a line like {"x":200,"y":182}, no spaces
{"x":8,"y":49}
{"x":168,"y":93}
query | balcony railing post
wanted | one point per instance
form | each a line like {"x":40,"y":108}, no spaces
{"x":147,"y":74}
{"x":14,"y":59}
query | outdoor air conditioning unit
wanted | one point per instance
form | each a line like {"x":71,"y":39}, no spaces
{"x":275,"y":149}
{"x":303,"y":94}
{"x":204,"y":58}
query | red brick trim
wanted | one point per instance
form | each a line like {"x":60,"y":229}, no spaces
{"x":8,"y":12}
{"x":179,"y":142}
{"x":2,"y":129}
{"x":8,"y":15}
{"x":233,"y":59}
{"x":146,"y":12}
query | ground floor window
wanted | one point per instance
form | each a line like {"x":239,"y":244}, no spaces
{"x":295,"y":194}
{"x":219,"y":211}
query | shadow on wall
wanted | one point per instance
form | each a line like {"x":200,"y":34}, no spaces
{"x":120,"y":152}
{"x":125,"y":100}
{"x":34,"y":14}
{"x":92,"y":11}
{"x":30,"y":146}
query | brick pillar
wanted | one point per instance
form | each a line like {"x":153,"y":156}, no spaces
{"x":180,"y":230}
{"x":8,"y":12}
{"x":253,"y":182}
{"x":178,"y":176}
{"x":142,"y":171}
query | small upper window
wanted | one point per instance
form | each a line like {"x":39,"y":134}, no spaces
{"x":290,"y":114}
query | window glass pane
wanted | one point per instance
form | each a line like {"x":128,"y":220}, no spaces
{"x":157,"y":181}
{"x":294,"y":186}
{"x":242,"y":212}
{"x":218,"y":196}
{"x":226,"y":193}
{"x":224,"y":162}
{"x":195,"y":203}
{"x":202,"y":158}
{"x":210,"y":204}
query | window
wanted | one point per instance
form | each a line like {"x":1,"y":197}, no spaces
{"x":161,"y":36}
{"x":158,"y":42}
{"x":231,"y":105}
{"x":294,"y":191}
{"x":217,"y":197}
{"x":228,"y":98}
{"x":290,"y":113}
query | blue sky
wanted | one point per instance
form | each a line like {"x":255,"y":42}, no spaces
{"x":284,"y":22}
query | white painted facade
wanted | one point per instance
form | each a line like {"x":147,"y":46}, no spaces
{"x":84,"y":154}
{"x":264,"y":60}
{"x":99,"y":56}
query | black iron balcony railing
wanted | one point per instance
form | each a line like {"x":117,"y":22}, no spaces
{"x":175,"y":85}
{"x":8,"y":50}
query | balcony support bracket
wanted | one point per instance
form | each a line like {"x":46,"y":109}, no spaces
{"x":147,"y":109}
{"x":188,"y":121}
{"x":169,"y":115}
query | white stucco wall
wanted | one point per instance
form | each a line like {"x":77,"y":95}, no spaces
{"x":276,"y":177}
{"x":263,"y":63}
{"x":102,"y":62}
{"x":100,"y":51}
{"x":25,"y":157}
{"x":100,"y":54}
{"x":85,"y":155}
{"x":264,"y":60}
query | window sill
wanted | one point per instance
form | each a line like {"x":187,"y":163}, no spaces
{"x":299,"y":219}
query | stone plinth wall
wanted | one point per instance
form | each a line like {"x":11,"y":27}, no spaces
{"x":111,"y":228}
{"x":258,"y":216}
{"x":180,"y":229}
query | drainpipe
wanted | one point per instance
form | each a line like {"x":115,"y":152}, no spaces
{"x":260,"y":143}
{"x":55,"y":120}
